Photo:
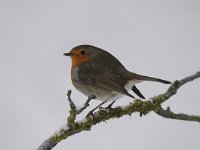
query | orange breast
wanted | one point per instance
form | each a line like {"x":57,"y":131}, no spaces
{"x":76,"y":60}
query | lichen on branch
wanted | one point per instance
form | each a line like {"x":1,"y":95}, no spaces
{"x":143,"y":107}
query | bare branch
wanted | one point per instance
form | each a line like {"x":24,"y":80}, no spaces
{"x":48,"y":144}
{"x":180,"y":116}
{"x":86,"y":104}
{"x":71,"y":103}
{"x":190,"y":78}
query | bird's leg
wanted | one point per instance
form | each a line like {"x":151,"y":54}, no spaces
{"x":91,"y":112}
{"x":110,"y":105}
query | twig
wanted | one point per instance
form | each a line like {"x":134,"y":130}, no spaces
{"x":86,"y":104}
{"x":74,"y":111}
{"x":71,"y":103}
{"x":180,"y":116}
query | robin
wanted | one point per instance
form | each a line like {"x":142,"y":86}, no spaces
{"x":95,"y":71}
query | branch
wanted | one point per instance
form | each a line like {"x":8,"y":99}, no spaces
{"x":174,"y":87}
{"x":86,"y":104}
{"x":181,"y":116}
{"x":153,"y":104}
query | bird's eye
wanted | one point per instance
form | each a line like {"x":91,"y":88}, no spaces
{"x":83,"y":52}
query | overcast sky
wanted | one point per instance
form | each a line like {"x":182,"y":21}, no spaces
{"x":156,"y":38}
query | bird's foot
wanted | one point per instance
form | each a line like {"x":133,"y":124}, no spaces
{"x":109,"y":107}
{"x":90,"y":114}
{"x":104,"y":109}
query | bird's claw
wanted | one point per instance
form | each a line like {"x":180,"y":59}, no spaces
{"x":107,"y":109}
{"x":90,"y":114}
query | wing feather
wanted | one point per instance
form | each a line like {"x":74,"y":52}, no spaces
{"x":103,"y":77}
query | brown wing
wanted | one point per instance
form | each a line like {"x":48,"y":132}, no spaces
{"x":114,"y":82}
{"x":104,"y":75}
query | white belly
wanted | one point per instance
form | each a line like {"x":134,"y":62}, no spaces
{"x":101,"y":93}
{"x":130,"y":84}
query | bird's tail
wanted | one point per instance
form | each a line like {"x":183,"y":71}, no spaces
{"x":146,"y":78}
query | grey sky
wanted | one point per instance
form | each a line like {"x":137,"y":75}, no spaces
{"x":155,"y":38}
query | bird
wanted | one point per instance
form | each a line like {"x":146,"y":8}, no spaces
{"x":97,"y":72}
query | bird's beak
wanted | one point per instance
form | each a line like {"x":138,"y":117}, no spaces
{"x":67,"y":54}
